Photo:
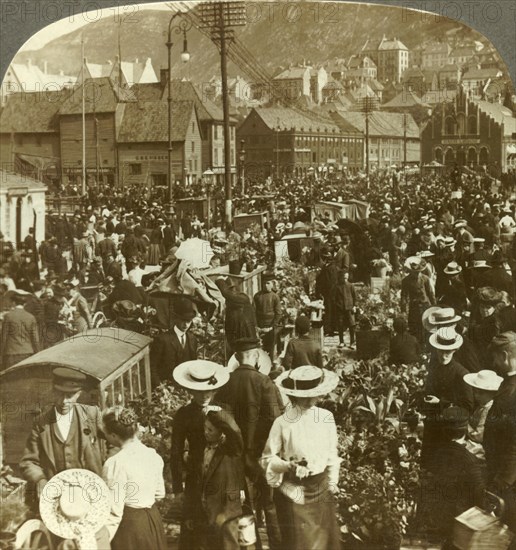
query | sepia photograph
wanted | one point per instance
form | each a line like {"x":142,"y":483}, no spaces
{"x":257,"y":275}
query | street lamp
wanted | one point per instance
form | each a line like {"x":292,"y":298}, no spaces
{"x":241,"y":158}
{"x":182,"y":27}
{"x":207,"y":177}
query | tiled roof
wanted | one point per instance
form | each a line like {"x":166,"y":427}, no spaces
{"x":9,"y":179}
{"x":288,"y":118}
{"x":380,"y":123}
{"x":432,"y":97}
{"x":99,"y":70}
{"x":31,"y":112}
{"x":101,"y":96}
{"x":449,"y":68}
{"x":148,"y":91}
{"x":147,"y":121}
{"x":333,"y":85}
{"x":375,"y":85}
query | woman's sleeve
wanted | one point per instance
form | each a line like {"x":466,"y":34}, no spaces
{"x":273,"y":465}
{"x":333,"y":464}
{"x":116,"y":480}
{"x":160,"y":481}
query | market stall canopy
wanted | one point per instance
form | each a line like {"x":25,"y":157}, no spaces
{"x":196,"y":251}
{"x":351,"y":210}
{"x":95,"y":352}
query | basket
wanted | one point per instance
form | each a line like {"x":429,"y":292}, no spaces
{"x":475,"y":529}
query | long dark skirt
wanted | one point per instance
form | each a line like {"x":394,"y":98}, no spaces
{"x":311,"y":526}
{"x":140,"y":529}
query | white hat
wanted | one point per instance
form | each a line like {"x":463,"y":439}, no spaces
{"x":453,"y":268}
{"x":263,"y":365}
{"x":415,"y":263}
{"x":307,"y":381}
{"x":486,"y":380}
{"x":75,"y":504}
{"x":446,"y":339}
{"x":426,"y":254}
{"x":201,"y":375}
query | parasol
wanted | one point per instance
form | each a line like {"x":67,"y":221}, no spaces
{"x":196,"y":251}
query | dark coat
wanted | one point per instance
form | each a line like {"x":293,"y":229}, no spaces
{"x":166,"y":352}
{"x":240,"y":321}
{"x":500,"y":435}
{"x":404,"y":349}
{"x":302,"y":351}
{"x":221,"y":486}
{"x":454,"y":485}
{"x":497,"y":277}
{"x":344,"y":296}
{"x":447,"y":383}
{"x":38,"y":461}
{"x":453,"y":294}
{"x":19,"y":333}
{"x":253,"y":398}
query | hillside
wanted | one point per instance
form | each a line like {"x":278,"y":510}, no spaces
{"x":315,"y":32}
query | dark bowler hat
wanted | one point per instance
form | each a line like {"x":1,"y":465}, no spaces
{"x":245,"y":344}
{"x":184,"y":309}
{"x":268,"y":276}
{"x":68,"y":380}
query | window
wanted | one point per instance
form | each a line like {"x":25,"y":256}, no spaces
{"x":193,"y":127}
{"x":193,"y":146}
{"x":135,"y":169}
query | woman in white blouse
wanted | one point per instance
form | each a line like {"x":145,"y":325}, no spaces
{"x":302,"y":464}
{"x":135,"y":478}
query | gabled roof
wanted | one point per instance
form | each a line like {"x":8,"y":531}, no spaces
{"x":404,"y":99}
{"x":9,"y":180}
{"x":292,"y":73}
{"x":462,"y":51}
{"x":101,"y":96}
{"x":448,"y":68}
{"x":98,"y":70}
{"x":31,"y":112}
{"x":432,"y":97}
{"x":290,"y":119}
{"x":28,"y":74}
{"x":476,"y":74}
{"x":147,"y":121}
{"x":333,"y":85}
{"x":148,"y":91}
{"x":375,"y":85}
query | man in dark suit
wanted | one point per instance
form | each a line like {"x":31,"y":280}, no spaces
{"x":500,"y":427}
{"x":404,"y":348}
{"x":497,"y":277}
{"x":175,"y":346}
{"x":268,"y":312}
{"x":303,"y":350}
{"x":19,"y":338}
{"x":65,"y":436}
{"x":253,"y":398}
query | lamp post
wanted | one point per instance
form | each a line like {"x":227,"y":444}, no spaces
{"x":207,"y":177}
{"x":182,"y":27}
{"x":241,"y":158}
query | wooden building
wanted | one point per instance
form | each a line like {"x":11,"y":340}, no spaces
{"x":105,"y":103}
{"x":143,"y":144}
{"x":29,"y":135}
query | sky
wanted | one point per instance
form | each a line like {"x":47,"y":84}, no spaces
{"x":77,"y":20}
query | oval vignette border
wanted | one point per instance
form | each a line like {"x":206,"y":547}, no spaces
{"x":495,"y":19}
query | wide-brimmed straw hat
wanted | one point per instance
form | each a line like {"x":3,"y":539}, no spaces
{"x":201,"y":375}
{"x":446,"y":339}
{"x":480,"y":264}
{"x":307,"y":381}
{"x":75,"y":504}
{"x":263,"y":365}
{"x":415,"y":264}
{"x":486,"y":380}
{"x":437,"y":317}
{"x":453,"y":268}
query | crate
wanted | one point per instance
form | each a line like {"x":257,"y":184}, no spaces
{"x":475,"y":529}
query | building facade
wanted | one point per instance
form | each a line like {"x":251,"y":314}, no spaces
{"x":281,"y":141}
{"x":391,"y":57}
{"x":470,"y":132}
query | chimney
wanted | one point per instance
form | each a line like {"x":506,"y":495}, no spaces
{"x":45,"y":67}
{"x":29,"y":63}
{"x":136,"y":60}
{"x":163,"y":75}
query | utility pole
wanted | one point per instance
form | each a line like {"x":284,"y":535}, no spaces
{"x":404,"y":143}
{"x":83,"y":186}
{"x":220,"y":17}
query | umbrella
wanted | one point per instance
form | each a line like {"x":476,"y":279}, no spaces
{"x":349,"y":225}
{"x":196,"y":251}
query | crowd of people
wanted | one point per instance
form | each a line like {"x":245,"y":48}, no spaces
{"x":256,"y":441}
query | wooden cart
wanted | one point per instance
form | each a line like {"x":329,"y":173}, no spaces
{"x":115,"y":361}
